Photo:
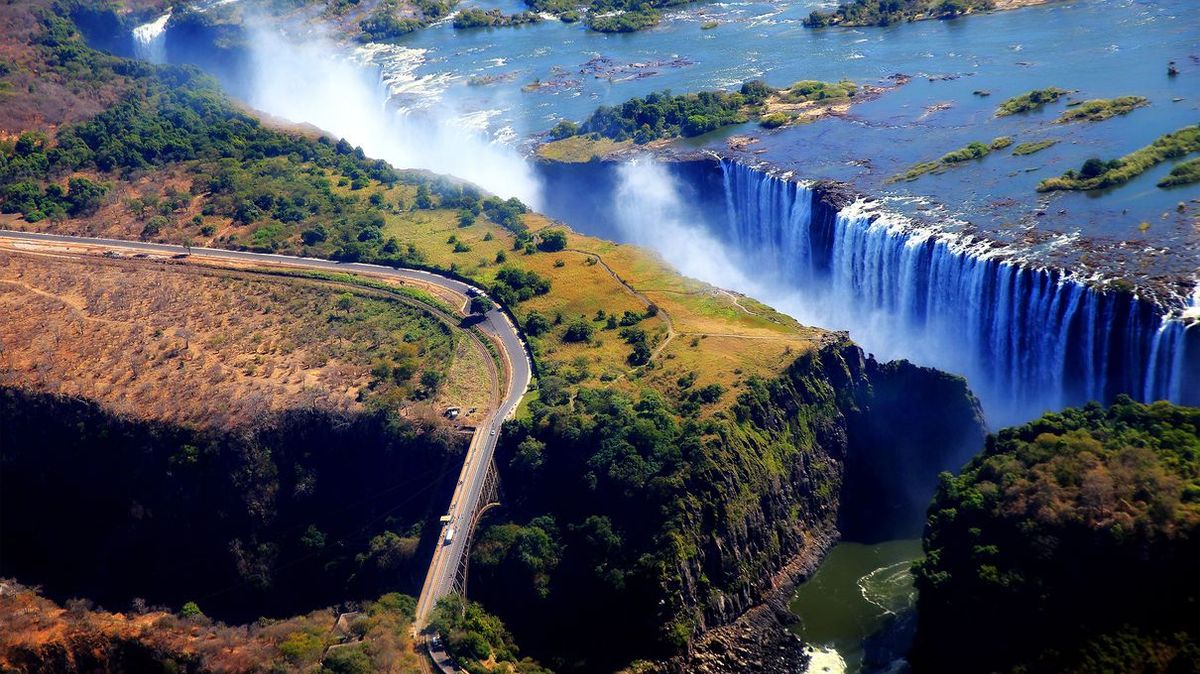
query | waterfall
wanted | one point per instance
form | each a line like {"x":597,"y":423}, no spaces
{"x":149,"y":40}
{"x":1027,"y":339}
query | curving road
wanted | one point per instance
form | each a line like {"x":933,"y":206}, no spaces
{"x":447,"y":556}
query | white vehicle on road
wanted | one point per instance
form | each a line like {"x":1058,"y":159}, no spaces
{"x":449,"y":535}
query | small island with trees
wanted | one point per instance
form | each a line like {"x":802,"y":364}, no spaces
{"x":949,"y":160}
{"x":607,"y":16}
{"x":1097,"y":173}
{"x":663,"y":116}
{"x":475,"y":17}
{"x":861,"y":13}
{"x":1030,"y":101}
{"x":1100,"y":109}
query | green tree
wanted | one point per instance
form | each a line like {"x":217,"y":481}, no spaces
{"x":431,"y":380}
{"x":536,"y":324}
{"x":553,"y":241}
{"x":481,"y":304}
{"x":84,"y":196}
{"x":579,"y":330}
{"x":347,"y":660}
{"x":191,"y":611}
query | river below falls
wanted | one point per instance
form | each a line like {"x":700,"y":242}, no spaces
{"x":856,"y":612}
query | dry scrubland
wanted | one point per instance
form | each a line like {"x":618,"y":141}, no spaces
{"x":35,"y":632}
{"x":219,"y":347}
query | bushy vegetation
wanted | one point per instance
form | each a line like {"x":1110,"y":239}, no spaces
{"x":1030,"y":101}
{"x":1097,"y":173}
{"x":514,"y":285}
{"x":975,"y":150}
{"x":472,"y":636}
{"x":552,"y":241}
{"x":816,"y":90}
{"x":887,"y":12}
{"x":475,"y":17}
{"x":376,"y":638}
{"x":385,"y":23}
{"x":663,"y":115}
{"x":607,"y":16}
{"x":1183,"y":173}
{"x":568,"y":11}
{"x":1068,"y":545}
{"x":1032,"y":147}
{"x":666,"y":115}
{"x":773,"y":120}
{"x":624,"y":21}
{"x":1100,"y":109}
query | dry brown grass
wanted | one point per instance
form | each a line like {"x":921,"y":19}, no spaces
{"x":209,"y":346}
{"x":35,"y":632}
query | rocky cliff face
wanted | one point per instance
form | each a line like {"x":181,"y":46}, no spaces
{"x":862,"y":443}
{"x":305,"y":509}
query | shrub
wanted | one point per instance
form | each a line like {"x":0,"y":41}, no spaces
{"x":191,"y":610}
{"x":564,"y":129}
{"x":579,"y":330}
{"x":1185,"y":173}
{"x":302,"y":647}
{"x":1032,"y":147}
{"x":536,"y":324}
{"x":553,"y":241}
{"x":1030,"y":101}
{"x":1101,"y":109}
{"x":773,"y":120}
{"x":347,"y":660}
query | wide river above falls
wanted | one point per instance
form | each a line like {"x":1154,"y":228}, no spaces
{"x":512,"y":82}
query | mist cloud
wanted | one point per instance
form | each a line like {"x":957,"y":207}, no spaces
{"x":313,"y":81}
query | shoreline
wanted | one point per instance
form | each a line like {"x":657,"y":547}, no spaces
{"x":760,"y":638}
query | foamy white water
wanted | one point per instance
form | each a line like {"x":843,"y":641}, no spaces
{"x":149,"y":39}
{"x":353,"y":103}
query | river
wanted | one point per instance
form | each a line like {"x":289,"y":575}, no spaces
{"x":856,"y":611}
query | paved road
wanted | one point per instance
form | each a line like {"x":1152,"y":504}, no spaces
{"x":440,"y":578}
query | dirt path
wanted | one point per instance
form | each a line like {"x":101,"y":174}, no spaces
{"x":661,"y":313}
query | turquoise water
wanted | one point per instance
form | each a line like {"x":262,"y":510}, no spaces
{"x":858,"y":605}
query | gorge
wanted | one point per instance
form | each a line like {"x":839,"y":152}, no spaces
{"x":691,"y":448}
